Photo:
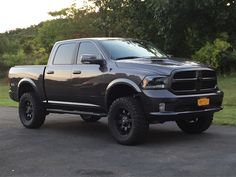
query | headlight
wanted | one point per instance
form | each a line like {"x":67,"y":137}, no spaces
{"x":154,"y":82}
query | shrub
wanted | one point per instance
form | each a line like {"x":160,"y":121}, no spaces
{"x":217,"y":54}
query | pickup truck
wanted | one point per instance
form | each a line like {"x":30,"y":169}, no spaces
{"x":130,"y":81}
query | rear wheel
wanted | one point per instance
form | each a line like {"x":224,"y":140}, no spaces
{"x":195,"y":125}
{"x":90,"y":118}
{"x":127,"y":122}
{"x":31,"y":111}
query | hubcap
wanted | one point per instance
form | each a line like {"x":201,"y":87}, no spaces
{"x":124,"y":121}
{"x":28,"y":110}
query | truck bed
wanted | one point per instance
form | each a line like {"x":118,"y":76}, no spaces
{"x":32,"y":73}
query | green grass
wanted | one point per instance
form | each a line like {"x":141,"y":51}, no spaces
{"x":226,"y":83}
{"x":228,"y":115}
{"x":4,"y":97}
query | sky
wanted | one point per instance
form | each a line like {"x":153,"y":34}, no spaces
{"x":24,"y":13}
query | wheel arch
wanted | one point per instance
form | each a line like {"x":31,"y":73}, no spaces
{"x":120,"y":88}
{"x":26,"y":85}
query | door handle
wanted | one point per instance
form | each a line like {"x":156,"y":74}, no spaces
{"x":50,"y":72}
{"x":76,"y":72}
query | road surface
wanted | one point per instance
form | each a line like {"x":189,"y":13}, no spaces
{"x":67,"y":146}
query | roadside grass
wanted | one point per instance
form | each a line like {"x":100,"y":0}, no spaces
{"x":225,"y":117}
{"x":228,"y":115}
{"x":4,"y":97}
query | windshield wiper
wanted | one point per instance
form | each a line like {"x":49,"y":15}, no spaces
{"x":128,"y":57}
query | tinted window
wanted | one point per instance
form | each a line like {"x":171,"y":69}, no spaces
{"x":122,"y":49}
{"x":88,"y":48}
{"x":64,"y":55}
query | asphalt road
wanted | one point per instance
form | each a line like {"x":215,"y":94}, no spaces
{"x":67,"y":146}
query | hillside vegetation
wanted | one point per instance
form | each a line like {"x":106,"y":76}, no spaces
{"x":199,"y":30}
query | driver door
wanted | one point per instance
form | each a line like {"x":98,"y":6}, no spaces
{"x":87,"y":79}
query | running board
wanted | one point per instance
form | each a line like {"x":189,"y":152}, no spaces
{"x":58,"y":111}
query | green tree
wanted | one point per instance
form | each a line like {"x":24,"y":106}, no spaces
{"x":179,"y":27}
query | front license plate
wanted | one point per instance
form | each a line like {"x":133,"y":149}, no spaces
{"x":203,"y":101}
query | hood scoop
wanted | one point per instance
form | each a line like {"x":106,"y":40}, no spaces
{"x":165,"y":62}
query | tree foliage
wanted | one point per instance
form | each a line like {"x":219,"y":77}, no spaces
{"x":184,"y":28}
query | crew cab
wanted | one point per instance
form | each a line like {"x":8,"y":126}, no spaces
{"x":129,"y":81}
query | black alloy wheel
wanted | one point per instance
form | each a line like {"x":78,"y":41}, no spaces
{"x":124,"y":121}
{"x":28,"y":109}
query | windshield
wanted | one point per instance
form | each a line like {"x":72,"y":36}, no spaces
{"x":130,"y":49}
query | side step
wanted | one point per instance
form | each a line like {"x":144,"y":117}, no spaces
{"x":58,"y":111}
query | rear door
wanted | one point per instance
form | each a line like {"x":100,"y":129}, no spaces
{"x":58,"y":74}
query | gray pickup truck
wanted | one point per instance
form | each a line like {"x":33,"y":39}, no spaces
{"x":127,"y":80}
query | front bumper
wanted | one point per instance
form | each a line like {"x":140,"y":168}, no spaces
{"x":178,"y":106}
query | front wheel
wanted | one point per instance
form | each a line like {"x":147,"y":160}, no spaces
{"x":31,"y":111}
{"x":127,"y":122}
{"x":195,"y":125}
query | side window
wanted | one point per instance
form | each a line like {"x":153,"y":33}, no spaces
{"x":64,"y":54}
{"x":88,"y":48}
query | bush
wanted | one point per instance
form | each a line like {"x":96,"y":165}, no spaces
{"x":219,"y":55}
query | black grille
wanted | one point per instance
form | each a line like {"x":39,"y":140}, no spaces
{"x":194,"y":81}
{"x":184,"y":75}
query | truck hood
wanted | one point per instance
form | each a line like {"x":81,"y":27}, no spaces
{"x":157,"y":66}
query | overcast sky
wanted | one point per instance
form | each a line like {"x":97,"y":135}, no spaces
{"x":24,"y":13}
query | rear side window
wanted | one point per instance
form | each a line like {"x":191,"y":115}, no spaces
{"x":88,"y":48}
{"x":64,"y":54}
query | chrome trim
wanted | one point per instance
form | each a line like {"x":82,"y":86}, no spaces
{"x":71,"y":103}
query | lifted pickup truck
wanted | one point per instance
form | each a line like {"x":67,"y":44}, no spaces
{"x":127,"y":80}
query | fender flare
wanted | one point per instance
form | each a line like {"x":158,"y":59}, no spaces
{"x":122,"y":81}
{"x":29,"y":82}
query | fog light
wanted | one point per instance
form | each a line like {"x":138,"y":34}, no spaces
{"x":162,"y":107}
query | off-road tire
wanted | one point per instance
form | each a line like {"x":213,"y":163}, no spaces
{"x":128,"y":108}
{"x":195,"y":125}
{"x":31,"y":111}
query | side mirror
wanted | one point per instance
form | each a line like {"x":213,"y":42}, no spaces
{"x":91,"y":59}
